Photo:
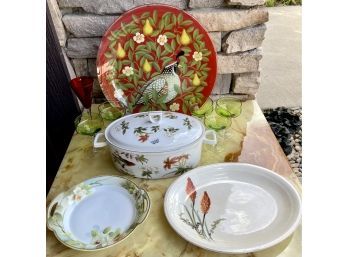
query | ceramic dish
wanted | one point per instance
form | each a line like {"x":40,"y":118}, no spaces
{"x":157,"y":57}
{"x":156,"y":145}
{"x":232,"y":207}
{"x":97,"y":213}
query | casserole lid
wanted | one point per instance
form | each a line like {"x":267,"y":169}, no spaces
{"x":154,"y":131}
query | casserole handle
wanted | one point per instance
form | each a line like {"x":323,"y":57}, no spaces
{"x":208,"y":141}
{"x":147,"y":203}
{"x":56,"y":200}
{"x":97,"y":143}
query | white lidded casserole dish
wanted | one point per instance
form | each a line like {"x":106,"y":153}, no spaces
{"x":156,"y":144}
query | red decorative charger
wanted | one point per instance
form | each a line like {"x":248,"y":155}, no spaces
{"x":157,"y":57}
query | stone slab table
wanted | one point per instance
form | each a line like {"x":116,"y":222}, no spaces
{"x":249,"y":140}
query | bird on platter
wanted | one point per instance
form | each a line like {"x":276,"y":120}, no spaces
{"x":163,"y":84}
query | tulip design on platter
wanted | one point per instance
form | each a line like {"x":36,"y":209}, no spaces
{"x":193,"y":218}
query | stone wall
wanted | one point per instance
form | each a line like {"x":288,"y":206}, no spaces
{"x":236,"y":27}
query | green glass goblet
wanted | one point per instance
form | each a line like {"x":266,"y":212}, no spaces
{"x":205,"y":109}
{"x":110,"y":112}
{"x":229,"y":107}
{"x":88,"y":124}
{"x":216,"y":122}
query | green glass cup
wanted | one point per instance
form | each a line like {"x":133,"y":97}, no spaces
{"x":229,"y":107}
{"x":205,"y":109}
{"x":216,"y":122}
{"x":89,"y":125}
{"x":109,"y":112}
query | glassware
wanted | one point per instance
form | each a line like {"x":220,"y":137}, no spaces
{"x":229,"y":107}
{"x":220,"y":118}
{"x":109,"y":112}
{"x":216,"y":122}
{"x":88,"y":124}
{"x":206,"y":108}
{"x":83,"y":88}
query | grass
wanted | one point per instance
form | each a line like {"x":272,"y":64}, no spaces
{"x":271,"y":3}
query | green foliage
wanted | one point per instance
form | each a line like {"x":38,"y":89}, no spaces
{"x":272,"y":3}
{"x":141,"y":158}
{"x":147,"y":173}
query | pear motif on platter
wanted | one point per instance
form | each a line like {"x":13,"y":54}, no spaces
{"x":185,"y":39}
{"x":147,"y":29}
{"x":120,"y":53}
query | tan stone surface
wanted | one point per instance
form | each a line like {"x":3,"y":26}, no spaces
{"x":246,"y":90}
{"x":249,"y":140}
{"x":84,"y":67}
{"x":92,"y":68}
{"x":221,"y":3}
{"x":222,"y":84}
{"x":80,"y":67}
{"x":82,"y":47}
{"x":57,"y":21}
{"x":206,"y":3}
{"x":216,"y":38}
{"x":242,"y":97}
{"x":244,"y":39}
{"x":239,"y":63}
{"x":116,"y":6}
{"x":88,"y":25}
{"x":245,"y":2}
{"x":246,"y":83}
{"x":228,"y":19}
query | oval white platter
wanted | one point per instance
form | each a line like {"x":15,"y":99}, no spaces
{"x":232,"y":207}
{"x":97,"y":213}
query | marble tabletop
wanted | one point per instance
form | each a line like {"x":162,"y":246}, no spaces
{"x":248,"y":140}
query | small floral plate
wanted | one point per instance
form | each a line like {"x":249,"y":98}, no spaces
{"x":97,"y":213}
{"x":232,"y":207}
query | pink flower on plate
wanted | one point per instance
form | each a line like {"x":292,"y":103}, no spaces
{"x":190,"y":189}
{"x":79,"y":193}
{"x":205,"y":203}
